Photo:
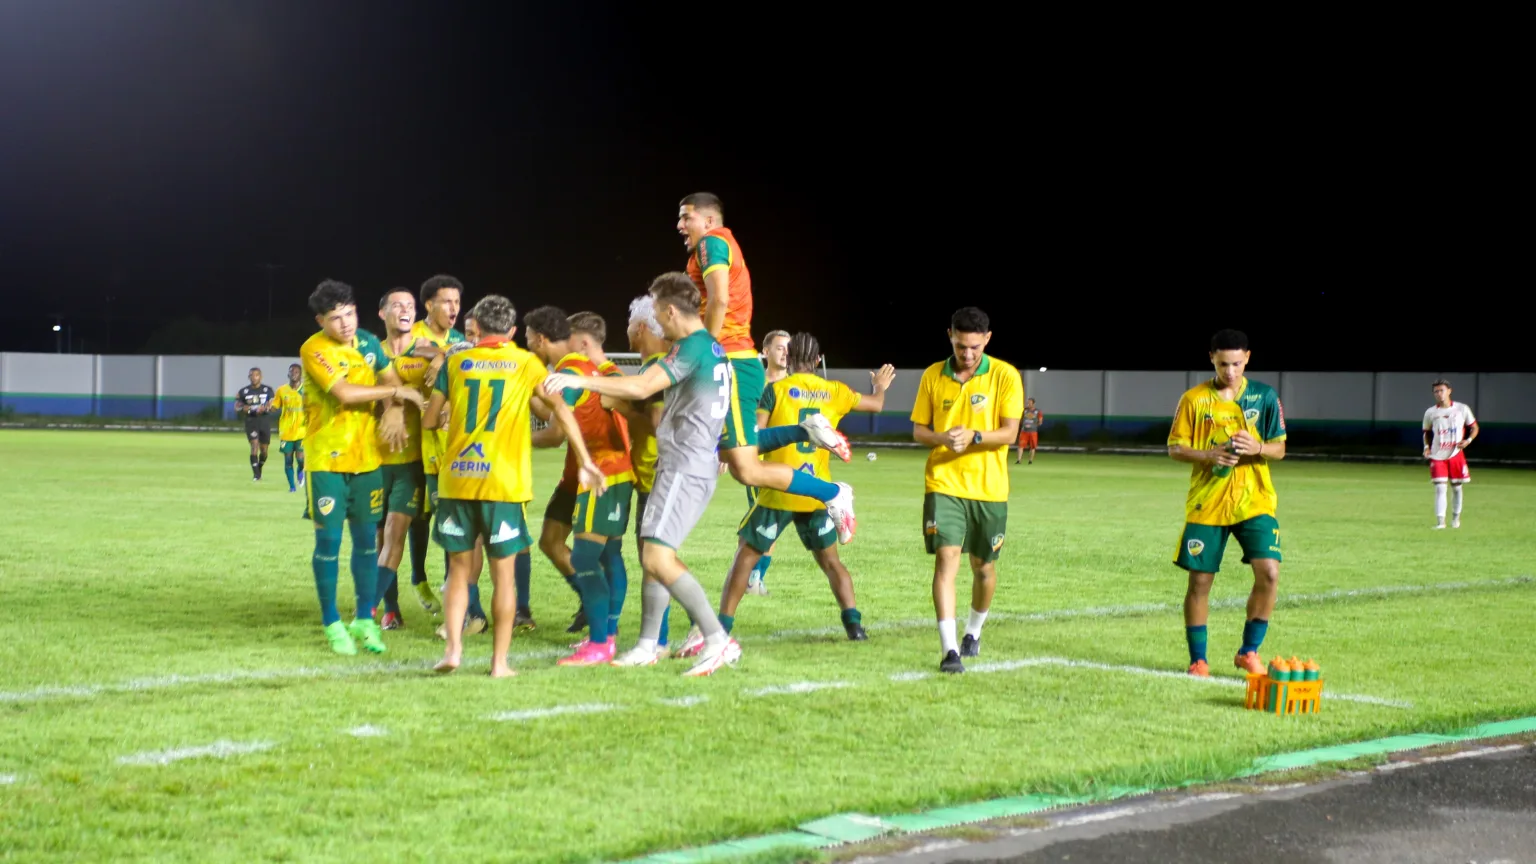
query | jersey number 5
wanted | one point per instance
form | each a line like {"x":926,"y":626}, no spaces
{"x":472,"y":410}
{"x":723,"y":375}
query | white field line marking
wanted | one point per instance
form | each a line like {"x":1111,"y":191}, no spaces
{"x":1009,"y":665}
{"x":1132,"y":609}
{"x":1464,"y":754}
{"x":7,"y":779}
{"x":797,"y":687}
{"x":910,"y":676}
{"x":537,"y":713}
{"x":366,"y":731}
{"x":217,"y":750}
{"x":684,"y":701}
{"x":167,"y":681}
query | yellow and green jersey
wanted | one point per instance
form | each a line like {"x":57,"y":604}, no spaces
{"x":489,"y":456}
{"x":994,"y":393}
{"x":338,"y":438}
{"x":290,"y":422}
{"x":788,"y":402}
{"x":1204,"y":421}
{"x":413,"y":373}
{"x":436,"y":440}
{"x":642,"y":437}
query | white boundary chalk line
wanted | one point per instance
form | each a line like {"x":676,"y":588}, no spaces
{"x":367,"y":731}
{"x":235,"y":677}
{"x":217,"y":750}
{"x":1461,"y":754}
{"x":8,"y":779}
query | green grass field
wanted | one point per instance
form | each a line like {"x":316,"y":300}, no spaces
{"x":158,"y":601}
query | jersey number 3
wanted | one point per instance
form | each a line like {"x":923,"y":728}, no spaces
{"x":718,"y":410}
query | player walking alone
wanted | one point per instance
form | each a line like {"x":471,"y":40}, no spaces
{"x":1448,"y":428}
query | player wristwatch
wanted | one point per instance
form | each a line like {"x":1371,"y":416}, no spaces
{"x":976,"y":439}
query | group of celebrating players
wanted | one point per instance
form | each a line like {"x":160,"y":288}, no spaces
{"x":432,"y":427}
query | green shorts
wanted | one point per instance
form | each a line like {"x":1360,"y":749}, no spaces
{"x":336,"y":498}
{"x":429,"y":500}
{"x":294,"y":446}
{"x":761,"y":527}
{"x":977,"y":527}
{"x":608,"y":515}
{"x":748,"y":379}
{"x":562,"y":505}
{"x":1200,"y":546}
{"x":404,"y":486}
{"x":501,"y":524}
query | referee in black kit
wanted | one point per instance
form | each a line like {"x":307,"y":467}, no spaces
{"x":255,"y":402}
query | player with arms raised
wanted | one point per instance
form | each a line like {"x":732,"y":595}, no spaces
{"x":486,"y":480}
{"x":1448,"y":428}
{"x":1229,"y":428}
{"x":967,"y":410}
{"x":719,"y":271}
{"x":345,"y":372}
{"x":289,"y":400}
{"x":787,"y":401}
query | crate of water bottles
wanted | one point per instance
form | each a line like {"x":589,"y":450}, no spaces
{"x":1289,"y":686}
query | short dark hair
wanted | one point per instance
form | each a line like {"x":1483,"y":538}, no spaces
{"x":1229,"y":340}
{"x":704,"y":201}
{"x":1441,"y":382}
{"x":253,"y":369}
{"x":495,"y":314}
{"x":677,"y":290}
{"x":437,"y":283}
{"x":384,"y":298}
{"x":804,"y":351}
{"x":330,"y":294}
{"x":970,"y":320}
{"x":590,"y":323}
{"x":295,"y":366}
{"x":549,"y":322}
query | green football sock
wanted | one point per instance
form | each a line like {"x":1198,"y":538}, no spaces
{"x":586,"y":557}
{"x":727,"y":621}
{"x":851,"y":616}
{"x":326,"y":567}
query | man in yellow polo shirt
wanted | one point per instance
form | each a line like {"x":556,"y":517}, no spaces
{"x":967,"y":409}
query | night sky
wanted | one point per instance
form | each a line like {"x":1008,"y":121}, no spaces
{"x":878,"y":172}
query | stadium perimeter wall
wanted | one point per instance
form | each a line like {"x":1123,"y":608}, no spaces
{"x":1383,"y":408}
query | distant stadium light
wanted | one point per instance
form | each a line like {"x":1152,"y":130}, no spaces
{"x":1042,"y":368}
{"x":57,"y":328}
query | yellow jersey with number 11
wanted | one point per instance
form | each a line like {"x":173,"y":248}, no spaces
{"x":490,"y":448}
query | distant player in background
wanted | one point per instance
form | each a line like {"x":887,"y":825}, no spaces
{"x":1029,"y":430}
{"x":253,"y":402}
{"x":775,"y":359}
{"x":1449,"y":428}
{"x":441,"y":296}
{"x":601,"y":516}
{"x":719,"y":271}
{"x":289,"y":400}
{"x":487,"y":479}
{"x":967,"y":410}
{"x":345,"y":373}
{"x":1229,"y":429}
{"x":401,"y":470}
{"x":785,"y":401}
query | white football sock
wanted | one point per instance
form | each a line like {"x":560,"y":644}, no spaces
{"x":947,"y":636}
{"x":973,"y":626}
{"x":647,"y":645}
{"x":1440,"y":501}
{"x":1456,"y":500}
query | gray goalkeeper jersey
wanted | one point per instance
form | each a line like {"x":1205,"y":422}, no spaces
{"x":688,"y":437}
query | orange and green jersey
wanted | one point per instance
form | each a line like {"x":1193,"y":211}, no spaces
{"x":341,"y":439}
{"x":718,"y":250}
{"x":1204,"y":421}
{"x":290,"y":423}
{"x":603,"y":431}
{"x":436,"y":440}
{"x":413,"y":373}
{"x":489,"y":456}
{"x":993,"y":393}
{"x":788,"y":402}
{"x":642,"y":444}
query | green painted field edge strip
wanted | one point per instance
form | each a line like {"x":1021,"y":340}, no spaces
{"x":843,"y":828}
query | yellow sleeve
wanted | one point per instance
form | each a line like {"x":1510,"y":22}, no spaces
{"x":922,"y":407}
{"x":534,"y":371}
{"x":1010,"y":396}
{"x":844,"y":399}
{"x":1183,"y":431}
{"x":322,"y":368}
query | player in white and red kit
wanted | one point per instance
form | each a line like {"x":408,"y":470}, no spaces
{"x":1448,"y":428}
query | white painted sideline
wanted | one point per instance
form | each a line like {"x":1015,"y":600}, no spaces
{"x":217,"y":750}
{"x":239,"y":676}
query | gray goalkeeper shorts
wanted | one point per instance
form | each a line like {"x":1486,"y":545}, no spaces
{"x":676,"y":503}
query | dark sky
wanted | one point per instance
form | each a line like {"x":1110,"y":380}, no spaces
{"x":878,"y":171}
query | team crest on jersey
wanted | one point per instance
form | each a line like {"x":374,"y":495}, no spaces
{"x":715,"y":347}
{"x":1251,"y":415}
{"x":931,"y":527}
{"x":1195,"y":547}
{"x":978,"y":400}
{"x":325,"y":506}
